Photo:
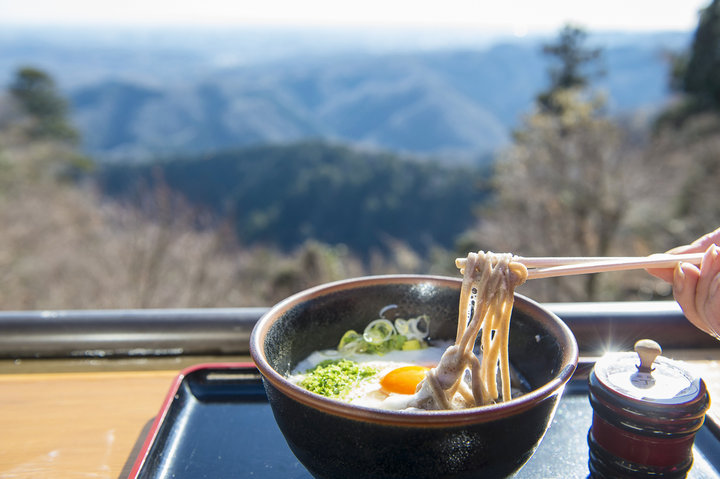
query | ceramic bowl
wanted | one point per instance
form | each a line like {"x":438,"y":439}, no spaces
{"x":335,"y":440}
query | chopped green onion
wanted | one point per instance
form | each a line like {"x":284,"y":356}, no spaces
{"x":379,"y":331}
{"x":402,"y":326}
{"x":352,"y":342}
{"x":382,"y":336}
{"x":419,"y":327}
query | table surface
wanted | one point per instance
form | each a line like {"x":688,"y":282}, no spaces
{"x":73,"y":423}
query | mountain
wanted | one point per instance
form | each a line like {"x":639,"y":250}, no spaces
{"x":142,"y":95}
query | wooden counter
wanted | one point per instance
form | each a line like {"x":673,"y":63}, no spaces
{"x":75,"y":424}
{"x":68,"y":424}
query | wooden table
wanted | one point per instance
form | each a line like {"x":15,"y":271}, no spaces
{"x":75,"y":423}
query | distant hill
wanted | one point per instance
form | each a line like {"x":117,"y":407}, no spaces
{"x":285,"y":195}
{"x":147,"y":97}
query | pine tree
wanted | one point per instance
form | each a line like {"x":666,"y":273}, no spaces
{"x":701,"y":78}
{"x":37,"y":95}
{"x":573,"y":60}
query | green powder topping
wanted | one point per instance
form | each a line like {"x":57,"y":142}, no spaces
{"x":335,"y":378}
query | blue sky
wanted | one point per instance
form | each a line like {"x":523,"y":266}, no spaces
{"x":510,"y":16}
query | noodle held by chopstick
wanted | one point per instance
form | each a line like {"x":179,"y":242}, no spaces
{"x":486,"y":301}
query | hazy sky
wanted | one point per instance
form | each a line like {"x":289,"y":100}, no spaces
{"x":517,"y":16}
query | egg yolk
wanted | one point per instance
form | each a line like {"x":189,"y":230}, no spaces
{"x":403,"y":380}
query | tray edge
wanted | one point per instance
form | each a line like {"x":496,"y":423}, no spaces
{"x":167,"y":402}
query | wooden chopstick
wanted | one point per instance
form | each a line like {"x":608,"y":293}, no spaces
{"x":547,"y":267}
{"x":547,"y":261}
{"x":616,"y":264}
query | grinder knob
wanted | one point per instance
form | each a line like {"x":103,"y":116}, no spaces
{"x":647,"y":350}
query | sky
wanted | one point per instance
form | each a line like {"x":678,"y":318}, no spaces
{"x":519,"y":17}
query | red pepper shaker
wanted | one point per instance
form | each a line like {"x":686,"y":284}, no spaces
{"x":646,"y":411}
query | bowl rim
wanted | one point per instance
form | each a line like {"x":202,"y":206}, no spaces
{"x":435,"y":418}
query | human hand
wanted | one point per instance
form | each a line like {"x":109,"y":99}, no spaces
{"x":697,"y":290}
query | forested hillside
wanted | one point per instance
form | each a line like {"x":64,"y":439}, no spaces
{"x":285,"y":195}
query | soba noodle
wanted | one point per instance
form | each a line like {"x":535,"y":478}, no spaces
{"x":486,"y":301}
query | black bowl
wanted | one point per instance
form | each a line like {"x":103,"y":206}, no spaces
{"x":334,"y":440}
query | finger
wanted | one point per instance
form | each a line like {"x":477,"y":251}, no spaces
{"x":668,"y":274}
{"x":704,"y":298}
{"x":698,"y":246}
{"x":665,"y":274}
{"x":709,"y":267}
{"x":713,"y":306}
{"x":688,"y":248}
{"x":684,"y":289}
{"x":705,"y":241}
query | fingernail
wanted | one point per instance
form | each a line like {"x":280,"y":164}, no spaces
{"x":678,"y":278}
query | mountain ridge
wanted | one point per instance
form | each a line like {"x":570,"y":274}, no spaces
{"x":456,"y":102}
